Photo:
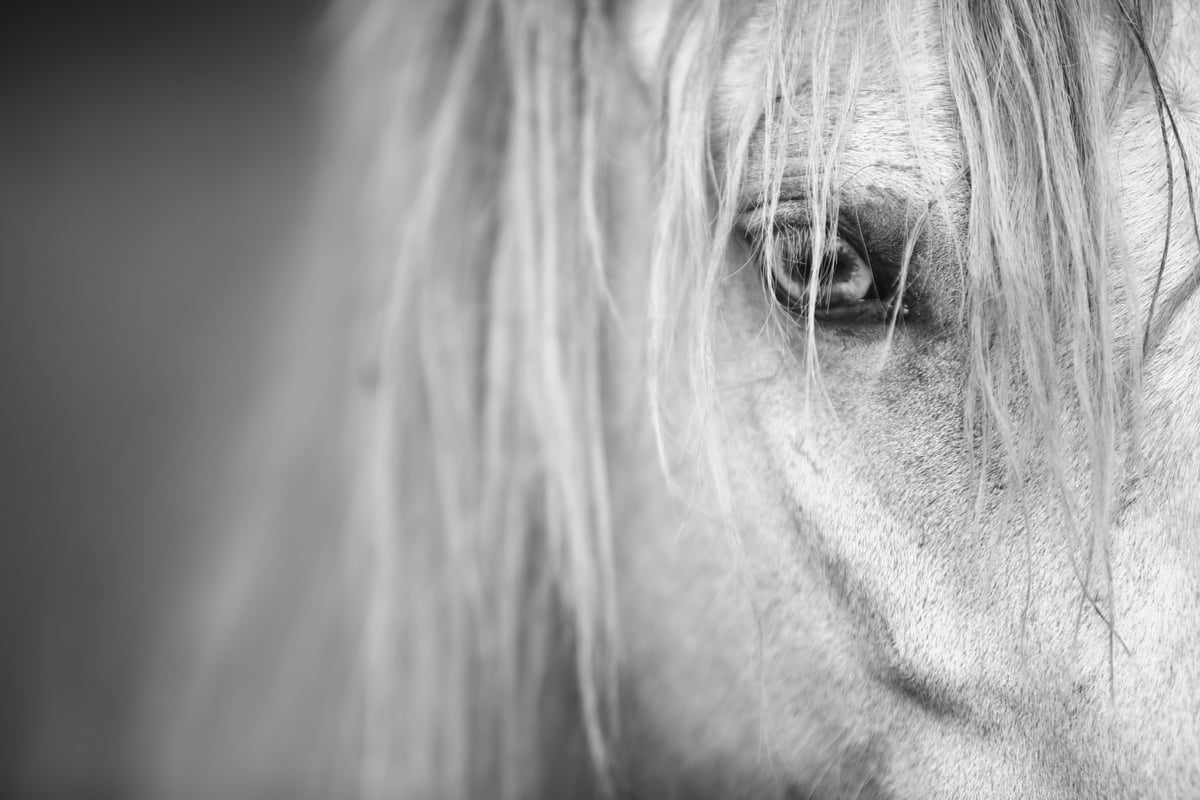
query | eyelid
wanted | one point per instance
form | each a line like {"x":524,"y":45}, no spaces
{"x":786,"y":213}
{"x":794,"y":214}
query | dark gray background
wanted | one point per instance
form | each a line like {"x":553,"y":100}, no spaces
{"x":154,"y":160}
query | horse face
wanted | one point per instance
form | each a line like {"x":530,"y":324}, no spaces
{"x":863,"y":621}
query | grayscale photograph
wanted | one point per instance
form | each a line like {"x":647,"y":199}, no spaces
{"x":600,"y":399}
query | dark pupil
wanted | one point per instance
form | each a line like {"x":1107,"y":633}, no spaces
{"x":841,"y":265}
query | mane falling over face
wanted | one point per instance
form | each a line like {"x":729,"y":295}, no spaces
{"x":773,"y":399}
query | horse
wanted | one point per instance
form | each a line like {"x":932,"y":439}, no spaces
{"x":730,"y":399}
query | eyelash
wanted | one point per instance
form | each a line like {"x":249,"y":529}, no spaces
{"x":853,"y":286}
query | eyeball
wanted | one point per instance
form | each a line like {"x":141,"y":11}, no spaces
{"x":850,"y":280}
{"x":844,"y":278}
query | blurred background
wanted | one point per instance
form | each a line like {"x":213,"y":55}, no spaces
{"x":155,"y":165}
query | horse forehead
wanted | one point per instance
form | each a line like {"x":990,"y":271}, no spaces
{"x":886,"y":105}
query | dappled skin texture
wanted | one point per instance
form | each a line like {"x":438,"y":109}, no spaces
{"x":851,"y":630}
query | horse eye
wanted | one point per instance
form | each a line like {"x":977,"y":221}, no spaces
{"x":850,"y":285}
